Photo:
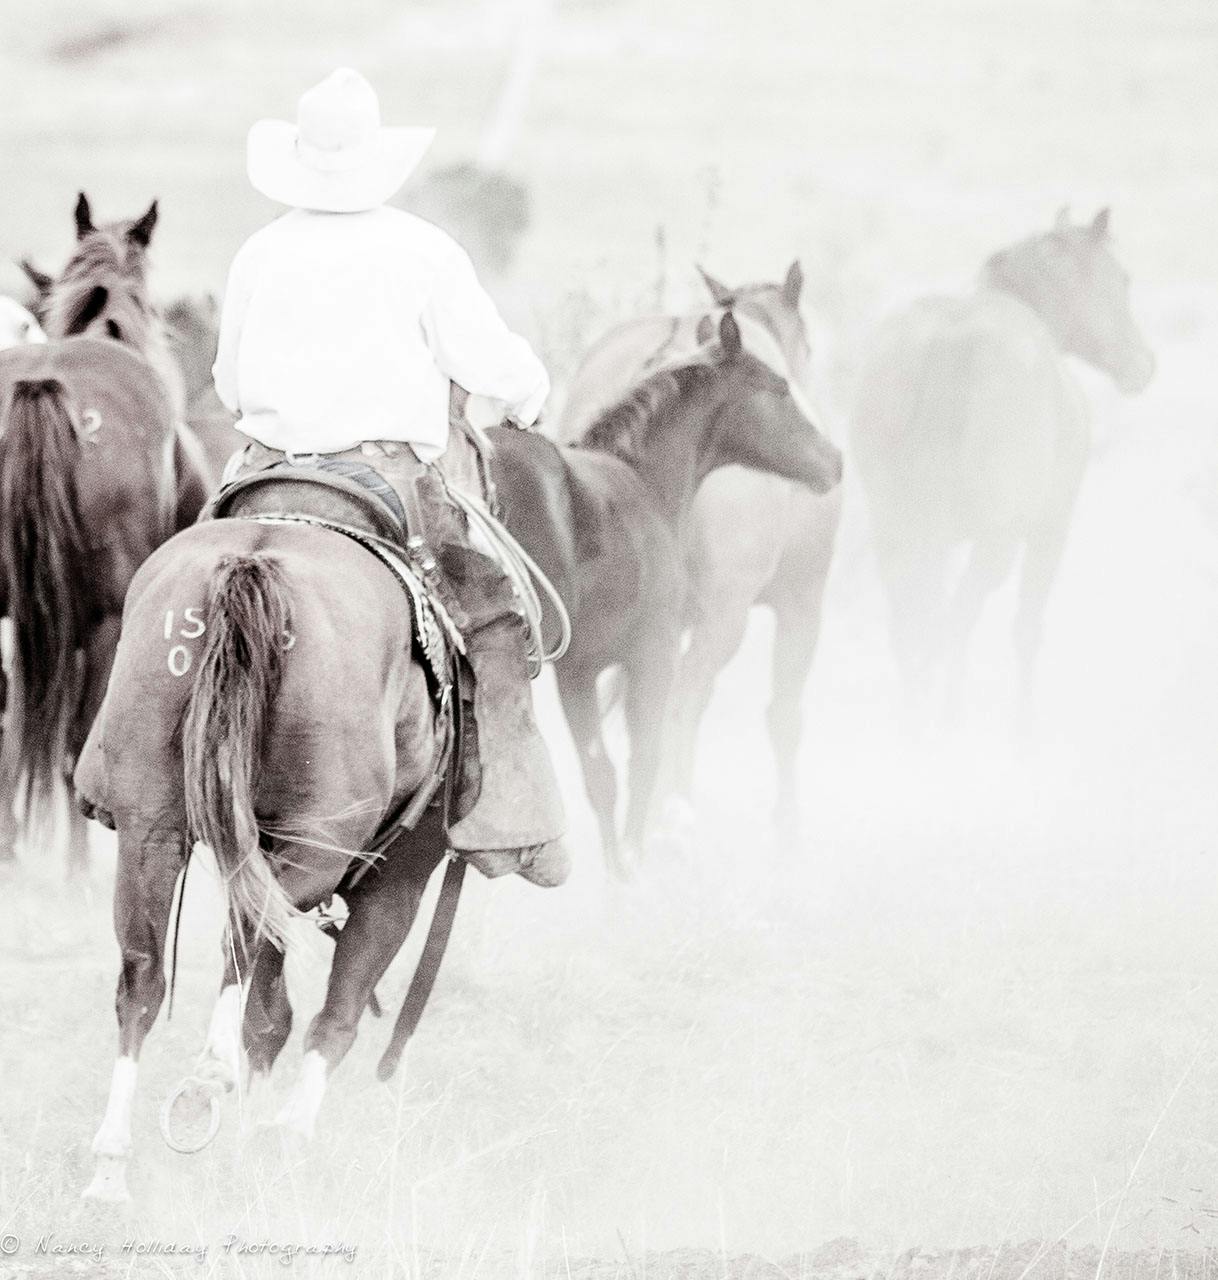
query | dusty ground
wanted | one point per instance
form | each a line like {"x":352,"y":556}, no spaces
{"x":976,"y":1007}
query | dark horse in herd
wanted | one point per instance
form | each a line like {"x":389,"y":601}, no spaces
{"x":95,"y":473}
{"x":249,"y":682}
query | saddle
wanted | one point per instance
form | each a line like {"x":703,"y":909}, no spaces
{"x":377,"y":499}
{"x":379,"y":523}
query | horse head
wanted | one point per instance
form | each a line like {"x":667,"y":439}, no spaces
{"x":1070,"y":277}
{"x":103,"y":289}
{"x":767,"y":421}
{"x":775,"y":307}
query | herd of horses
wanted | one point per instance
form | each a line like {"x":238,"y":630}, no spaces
{"x":250,"y":685}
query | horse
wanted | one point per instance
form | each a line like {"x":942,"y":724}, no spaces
{"x":970,"y":432}
{"x":782,"y":561}
{"x":94,"y":474}
{"x":17,"y":325}
{"x":605,"y":515}
{"x":267,"y":700}
{"x":103,"y":292}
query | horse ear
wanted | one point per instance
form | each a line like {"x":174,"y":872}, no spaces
{"x":39,"y":279}
{"x":141,"y":231}
{"x":1062,"y":221}
{"x":1099,"y":225}
{"x":705,"y":330}
{"x":84,"y":217}
{"x":720,"y":294}
{"x":729,"y":336}
{"x":793,"y":285}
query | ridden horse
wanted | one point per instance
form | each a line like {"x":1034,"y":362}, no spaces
{"x":604,"y":518}
{"x":970,"y":432}
{"x":94,"y":474}
{"x":734,"y":559}
{"x":267,"y":700}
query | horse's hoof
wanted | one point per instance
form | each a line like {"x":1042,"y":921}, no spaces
{"x":109,"y":1185}
{"x":621,"y":864}
{"x":295,"y":1122}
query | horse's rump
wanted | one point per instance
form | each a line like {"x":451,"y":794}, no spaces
{"x":126,"y":428}
{"x":86,"y":492}
{"x":348,"y":695}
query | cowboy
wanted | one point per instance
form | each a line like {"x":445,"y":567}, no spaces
{"x":343,"y":323}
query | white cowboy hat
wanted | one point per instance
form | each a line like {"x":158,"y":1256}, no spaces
{"x":337,"y":157}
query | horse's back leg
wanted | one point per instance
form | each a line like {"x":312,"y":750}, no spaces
{"x":577,"y":692}
{"x":650,"y":675}
{"x":797,"y":593}
{"x":1042,"y":559}
{"x":268,"y":1013}
{"x":714,"y":640}
{"x":913,"y":572}
{"x":797,"y":621}
{"x":98,"y":660}
{"x":149,"y":862}
{"x":991,"y":559}
{"x":381,"y":909}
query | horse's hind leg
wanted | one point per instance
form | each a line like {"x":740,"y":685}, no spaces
{"x":715,"y":638}
{"x":649,"y":683}
{"x":268,"y":1014}
{"x":797,"y":618}
{"x":913,"y":569}
{"x":991,"y":558}
{"x":148,"y":867}
{"x":381,"y":909}
{"x":1042,"y":558}
{"x":577,"y":691}
{"x":98,"y":659}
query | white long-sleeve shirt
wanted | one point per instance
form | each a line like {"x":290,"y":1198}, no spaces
{"x":342,"y":327}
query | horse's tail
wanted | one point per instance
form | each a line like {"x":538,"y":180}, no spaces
{"x":44,"y":579}
{"x":223,"y":731}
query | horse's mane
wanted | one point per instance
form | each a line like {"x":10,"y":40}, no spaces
{"x":101,"y":280}
{"x":622,"y":428}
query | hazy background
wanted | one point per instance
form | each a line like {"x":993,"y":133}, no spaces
{"x":978,"y":1006}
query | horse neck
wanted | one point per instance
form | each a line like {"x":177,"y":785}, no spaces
{"x":676,"y":452}
{"x":1034,"y":288}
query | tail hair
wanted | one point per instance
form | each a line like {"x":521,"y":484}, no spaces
{"x":44,"y":576}
{"x":223,"y":733}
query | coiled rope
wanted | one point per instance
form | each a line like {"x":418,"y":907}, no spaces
{"x":525,"y":576}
